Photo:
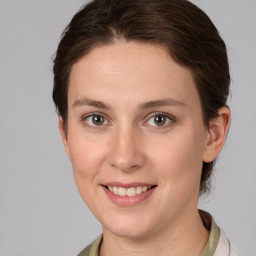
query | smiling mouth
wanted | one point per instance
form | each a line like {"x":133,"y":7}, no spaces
{"x":129,"y":192}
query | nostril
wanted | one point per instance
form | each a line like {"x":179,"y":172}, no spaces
{"x":126,"y":167}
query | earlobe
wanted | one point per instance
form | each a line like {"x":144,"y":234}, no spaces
{"x":63,"y":135}
{"x":217,"y":132}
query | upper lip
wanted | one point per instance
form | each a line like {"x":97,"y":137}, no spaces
{"x":127,"y":185}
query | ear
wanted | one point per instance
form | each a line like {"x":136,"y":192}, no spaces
{"x":217,"y":132}
{"x":63,"y":135}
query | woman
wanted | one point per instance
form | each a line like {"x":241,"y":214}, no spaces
{"x":140,"y":87}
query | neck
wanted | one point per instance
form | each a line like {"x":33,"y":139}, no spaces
{"x":187,"y":236}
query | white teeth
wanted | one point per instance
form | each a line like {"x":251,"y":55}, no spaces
{"x":115,"y":190}
{"x":144,"y":189}
{"x":138,"y":190}
{"x":122,"y":191}
{"x":133,"y":191}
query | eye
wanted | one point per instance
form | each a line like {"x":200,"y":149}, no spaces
{"x":96,"y":120}
{"x":160,"y":119}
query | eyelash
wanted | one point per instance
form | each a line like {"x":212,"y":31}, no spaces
{"x":97,"y":114}
{"x":165,"y":115}
{"x":153,"y":115}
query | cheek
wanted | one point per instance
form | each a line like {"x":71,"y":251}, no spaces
{"x":179,"y":159}
{"x":86,"y":154}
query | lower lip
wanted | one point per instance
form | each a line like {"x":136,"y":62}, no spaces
{"x":128,"y":200}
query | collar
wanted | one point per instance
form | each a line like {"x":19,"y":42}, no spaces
{"x":209,"y":250}
{"x":214,"y":237}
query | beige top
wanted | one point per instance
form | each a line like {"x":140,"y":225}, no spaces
{"x":217,"y":245}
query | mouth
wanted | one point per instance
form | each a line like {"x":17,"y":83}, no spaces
{"x":128,"y":195}
{"x":129,"y":191}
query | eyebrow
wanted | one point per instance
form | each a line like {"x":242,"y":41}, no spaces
{"x":99,"y":104}
{"x":90,"y":102}
{"x":159,"y":103}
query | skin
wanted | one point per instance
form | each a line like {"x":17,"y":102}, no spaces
{"x":129,"y":146}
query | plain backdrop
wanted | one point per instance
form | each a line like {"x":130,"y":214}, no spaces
{"x":41,"y":212}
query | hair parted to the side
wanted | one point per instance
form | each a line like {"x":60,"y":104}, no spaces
{"x":178,"y":25}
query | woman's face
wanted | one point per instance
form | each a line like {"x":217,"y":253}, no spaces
{"x":136,"y":138}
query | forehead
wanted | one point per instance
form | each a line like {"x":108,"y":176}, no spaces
{"x":130,"y":69}
{"x":129,"y":57}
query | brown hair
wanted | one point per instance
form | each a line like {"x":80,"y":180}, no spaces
{"x":178,"y":25}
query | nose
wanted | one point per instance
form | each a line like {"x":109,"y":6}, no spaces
{"x":126,"y":151}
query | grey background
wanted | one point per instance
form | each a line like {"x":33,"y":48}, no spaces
{"x":41,"y":212}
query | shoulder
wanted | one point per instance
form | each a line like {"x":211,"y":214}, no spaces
{"x":93,"y":248}
{"x":225,"y":247}
{"x":85,"y":251}
{"x":218,"y":243}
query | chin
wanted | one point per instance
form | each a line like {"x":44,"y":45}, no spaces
{"x":130,"y":230}
{"x":130,"y":234}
